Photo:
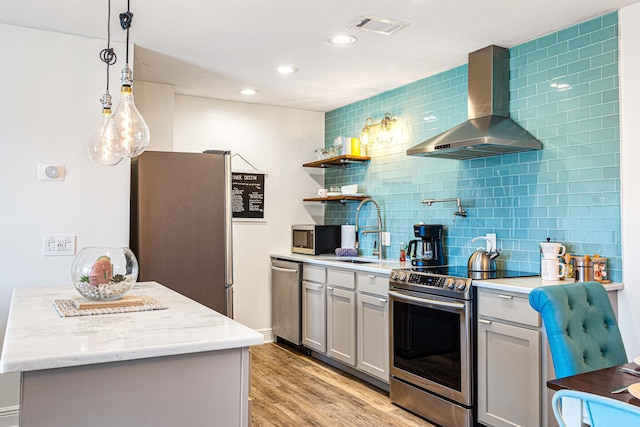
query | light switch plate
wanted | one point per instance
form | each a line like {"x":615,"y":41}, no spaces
{"x":386,"y":238}
{"x":59,"y":245}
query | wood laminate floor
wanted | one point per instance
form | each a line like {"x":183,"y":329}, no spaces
{"x":289,"y":388}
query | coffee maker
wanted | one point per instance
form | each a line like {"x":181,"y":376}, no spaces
{"x":428,"y":250}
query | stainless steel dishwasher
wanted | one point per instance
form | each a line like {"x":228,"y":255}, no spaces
{"x":286,"y":309}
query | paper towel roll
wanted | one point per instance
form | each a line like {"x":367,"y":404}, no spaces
{"x":348,"y":236}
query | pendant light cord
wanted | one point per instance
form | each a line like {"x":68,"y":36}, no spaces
{"x":125,"y":23}
{"x":107,"y":55}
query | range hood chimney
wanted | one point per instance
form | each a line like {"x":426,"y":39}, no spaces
{"x":489,"y":130}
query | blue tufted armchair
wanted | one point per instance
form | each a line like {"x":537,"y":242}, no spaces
{"x":581,"y":327}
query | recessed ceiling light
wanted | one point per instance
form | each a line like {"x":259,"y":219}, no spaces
{"x":248,"y":91}
{"x":286,"y":69}
{"x":341,"y":39}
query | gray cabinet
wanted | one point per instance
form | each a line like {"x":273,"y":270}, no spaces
{"x":314,"y":308}
{"x":511,"y":376}
{"x":313,"y":320}
{"x":341,"y":325}
{"x":341,"y":315}
{"x":345,"y":316}
{"x":373,"y":324}
{"x":373,"y":335}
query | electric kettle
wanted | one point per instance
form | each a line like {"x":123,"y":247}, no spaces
{"x":481,"y":259}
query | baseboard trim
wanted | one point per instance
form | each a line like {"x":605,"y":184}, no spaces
{"x":266,"y":332}
{"x":9,"y":416}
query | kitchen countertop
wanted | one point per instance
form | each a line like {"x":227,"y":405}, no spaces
{"x":38,"y":338}
{"x":518,"y":285}
{"x":526,"y":284}
{"x":372,"y":265}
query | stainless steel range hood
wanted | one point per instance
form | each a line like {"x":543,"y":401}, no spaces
{"x":489,"y":130}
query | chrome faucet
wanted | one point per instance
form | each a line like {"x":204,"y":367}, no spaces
{"x":460,"y":212}
{"x":367,"y":230}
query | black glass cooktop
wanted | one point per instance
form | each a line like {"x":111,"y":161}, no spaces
{"x":462,"y":271}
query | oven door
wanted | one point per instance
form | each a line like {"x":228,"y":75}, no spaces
{"x":431,"y":343}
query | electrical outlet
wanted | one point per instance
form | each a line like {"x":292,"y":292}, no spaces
{"x":59,"y":245}
{"x":386,"y":238}
{"x":493,"y":240}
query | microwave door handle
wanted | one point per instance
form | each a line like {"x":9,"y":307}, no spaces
{"x":436,"y":303}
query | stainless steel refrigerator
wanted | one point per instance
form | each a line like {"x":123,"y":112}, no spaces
{"x":181,"y":224}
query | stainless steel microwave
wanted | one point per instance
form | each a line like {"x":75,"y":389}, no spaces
{"x":315,"y":239}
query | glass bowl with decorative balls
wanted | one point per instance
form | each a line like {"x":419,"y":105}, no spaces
{"x":104,"y":273}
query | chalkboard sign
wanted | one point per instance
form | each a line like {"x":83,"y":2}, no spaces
{"x":247,"y":195}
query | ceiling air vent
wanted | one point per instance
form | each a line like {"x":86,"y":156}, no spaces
{"x":379,"y":25}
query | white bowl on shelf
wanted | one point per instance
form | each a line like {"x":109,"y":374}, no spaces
{"x":349,"y":189}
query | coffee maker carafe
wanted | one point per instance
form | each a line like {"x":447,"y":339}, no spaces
{"x":428,"y":250}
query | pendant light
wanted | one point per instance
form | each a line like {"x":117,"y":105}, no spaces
{"x":104,"y":141}
{"x":133,"y":132}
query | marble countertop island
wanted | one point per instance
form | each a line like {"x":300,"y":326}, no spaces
{"x":38,"y":338}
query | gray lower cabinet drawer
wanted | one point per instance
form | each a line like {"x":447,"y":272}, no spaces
{"x":314,"y":273}
{"x":373,"y":283}
{"x":342,"y":278}
{"x":507,"y":306}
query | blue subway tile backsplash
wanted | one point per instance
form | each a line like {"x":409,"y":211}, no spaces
{"x":564,"y":91}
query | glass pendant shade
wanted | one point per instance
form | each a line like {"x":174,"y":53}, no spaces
{"x":365,"y":135}
{"x":133,"y":132}
{"x":104,"y":141}
{"x":386,"y":134}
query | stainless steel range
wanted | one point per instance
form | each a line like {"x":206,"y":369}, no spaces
{"x":433,"y":337}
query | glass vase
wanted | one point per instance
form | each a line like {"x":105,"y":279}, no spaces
{"x":104,"y":273}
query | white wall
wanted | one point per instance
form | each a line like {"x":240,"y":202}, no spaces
{"x":155,"y":101}
{"x":629,"y":299}
{"x":51,"y":84}
{"x":276,"y":141}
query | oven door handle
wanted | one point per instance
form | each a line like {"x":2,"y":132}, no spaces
{"x":455,"y":305}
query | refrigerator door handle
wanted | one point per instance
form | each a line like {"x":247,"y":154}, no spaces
{"x":228,"y":234}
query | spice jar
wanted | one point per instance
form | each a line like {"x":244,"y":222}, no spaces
{"x":568,"y":270}
{"x":600,"y":269}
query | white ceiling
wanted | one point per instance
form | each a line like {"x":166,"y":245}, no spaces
{"x":214,"y":48}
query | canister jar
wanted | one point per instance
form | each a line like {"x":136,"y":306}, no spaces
{"x":568,"y":263}
{"x":583,"y":269}
{"x":600,"y":269}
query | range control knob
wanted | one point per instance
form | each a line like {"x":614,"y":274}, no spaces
{"x":394,"y":275}
{"x":461,"y":285}
{"x":402,"y":276}
{"x":449,"y":283}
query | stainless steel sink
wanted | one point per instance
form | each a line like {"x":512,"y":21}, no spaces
{"x":356,"y":261}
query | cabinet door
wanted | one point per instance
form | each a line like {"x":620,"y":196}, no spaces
{"x":341,"y":325}
{"x":313,"y":316}
{"x":509,"y":375}
{"x":373,"y":336}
